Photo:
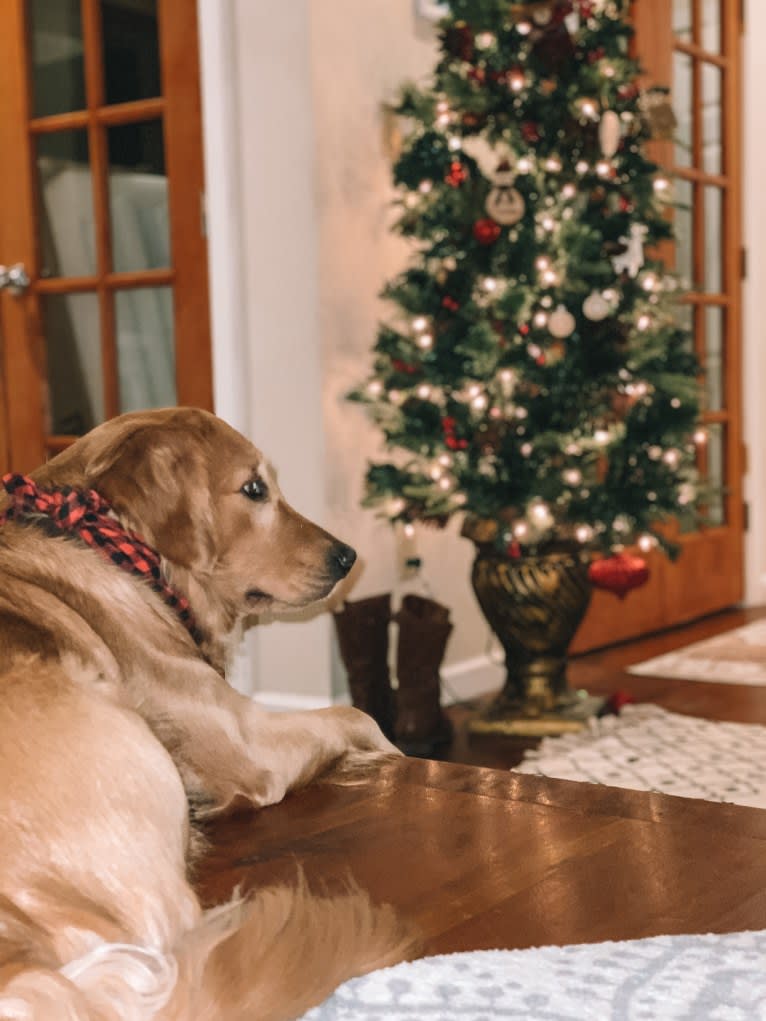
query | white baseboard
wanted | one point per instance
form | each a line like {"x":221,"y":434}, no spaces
{"x":470,"y":678}
{"x":461,"y":682}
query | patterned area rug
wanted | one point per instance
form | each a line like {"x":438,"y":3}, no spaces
{"x":667,"y":978}
{"x":736,"y":657}
{"x":647,"y":748}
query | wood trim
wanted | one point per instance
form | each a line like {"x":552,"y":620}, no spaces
{"x":697,"y":176}
{"x":127,"y":113}
{"x":179,"y":58}
{"x":99,"y":165}
{"x":56,"y":444}
{"x":110,"y":116}
{"x":73,"y":121}
{"x":706,"y":298}
{"x":731,"y":96}
{"x":23,"y":349}
{"x":124,"y":280}
{"x":699,"y":53}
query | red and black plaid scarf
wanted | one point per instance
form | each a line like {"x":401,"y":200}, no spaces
{"x":85,"y":514}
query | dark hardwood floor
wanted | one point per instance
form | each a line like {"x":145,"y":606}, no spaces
{"x":603,"y":673}
{"x":476,"y":857}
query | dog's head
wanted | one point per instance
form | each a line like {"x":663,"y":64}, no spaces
{"x":206,"y":499}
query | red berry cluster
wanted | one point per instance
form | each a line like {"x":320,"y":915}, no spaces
{"x":456,"y":174}
{"x":448,"y":425}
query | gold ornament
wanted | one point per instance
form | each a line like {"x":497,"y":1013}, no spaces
{"x":561,"y":323}
{"x":609,"y":133}
{"x":596,"y":307}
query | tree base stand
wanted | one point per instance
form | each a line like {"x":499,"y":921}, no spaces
{"x":512,"y":719}
{"x":534,"y":604}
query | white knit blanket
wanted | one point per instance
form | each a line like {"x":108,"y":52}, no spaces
{"x":667,"y":978}
{"x":647,"y":748}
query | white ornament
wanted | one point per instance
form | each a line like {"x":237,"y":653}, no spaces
{"x":596,"y":307}
{"x":504,"y":203}
{"x":572,"y":22}
{"x":561,"y":323}
{"x":609,"y":133}
{"x":632,"y":259}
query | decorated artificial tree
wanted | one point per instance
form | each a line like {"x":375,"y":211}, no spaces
{"x":533,"y":375}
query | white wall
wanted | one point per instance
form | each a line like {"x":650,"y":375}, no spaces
{"x":754,"y":215}
{"x":361,"y":53}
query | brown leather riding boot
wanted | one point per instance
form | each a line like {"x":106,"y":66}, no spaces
{"x":362,"y":630}
{"x":421,"y":723}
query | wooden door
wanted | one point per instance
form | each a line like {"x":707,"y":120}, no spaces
{"x":694,"y":47}
{"x":102,"y":206}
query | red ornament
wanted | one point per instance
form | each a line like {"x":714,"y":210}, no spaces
{"x":530,"y":131}
{"x":456,"y":175}
{"x":486,"y":231}
{"x":629,"y":91}
{"x":524,"y":329}
{"x":449,"y":303}
{"x":513,"y":549}
{"x":594,"y":56}
{"x":402,"y":366}
{"x":616,"y":702}
{"x":586,"y":8}
{"x":626,"y":206}
{"x":619,"y":573}
{"x":477,"y":74}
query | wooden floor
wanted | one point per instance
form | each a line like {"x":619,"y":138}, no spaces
{"x":477,"y":858}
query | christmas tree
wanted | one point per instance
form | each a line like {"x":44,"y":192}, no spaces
{"x":533,"y":373}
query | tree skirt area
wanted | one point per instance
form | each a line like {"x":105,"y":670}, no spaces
{"x":673,"y":978}
{"x":735,"y":657}
{"x":647,"y":748}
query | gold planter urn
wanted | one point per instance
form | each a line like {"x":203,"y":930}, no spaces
{"x":534,"y":604}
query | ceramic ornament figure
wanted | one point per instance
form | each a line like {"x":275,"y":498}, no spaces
{"x":504,"y":203}
{"x":632,"y":259}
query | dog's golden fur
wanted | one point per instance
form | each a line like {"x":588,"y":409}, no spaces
{"x":112,"y":719}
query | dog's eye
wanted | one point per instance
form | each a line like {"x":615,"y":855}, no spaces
{"x":255,"y":489}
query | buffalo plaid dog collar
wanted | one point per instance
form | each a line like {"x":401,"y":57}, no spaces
{"x":85,"y":514}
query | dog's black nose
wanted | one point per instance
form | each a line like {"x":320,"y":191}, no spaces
{"x":342,"y":558}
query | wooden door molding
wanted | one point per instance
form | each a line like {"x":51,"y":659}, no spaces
{"x":22,"y":354}
{"x":179,"y":60}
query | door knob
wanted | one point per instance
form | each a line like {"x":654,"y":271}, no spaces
{"x":14,"y":279}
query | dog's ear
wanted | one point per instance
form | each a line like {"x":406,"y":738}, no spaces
{"x":157,"y":479}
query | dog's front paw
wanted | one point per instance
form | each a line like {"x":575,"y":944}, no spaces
{"x":364,"y":734}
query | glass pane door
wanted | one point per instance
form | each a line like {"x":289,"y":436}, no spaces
{"x":103,"y":230}
{"x":704,"y":169}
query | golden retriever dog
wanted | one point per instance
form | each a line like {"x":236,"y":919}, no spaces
{"x":115,"y":717}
